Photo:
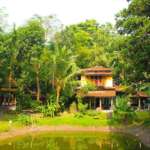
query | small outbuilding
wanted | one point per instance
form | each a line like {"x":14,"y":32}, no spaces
{"x":140,"y":101}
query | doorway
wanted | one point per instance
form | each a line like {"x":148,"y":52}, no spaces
{"x":106,"y":104}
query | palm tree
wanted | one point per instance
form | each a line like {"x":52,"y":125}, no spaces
{"x":62,"y":69}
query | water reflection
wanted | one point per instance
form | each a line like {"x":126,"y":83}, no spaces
{"x":73,"y":141}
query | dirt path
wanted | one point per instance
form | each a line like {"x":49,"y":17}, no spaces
{"x":140,"y":132}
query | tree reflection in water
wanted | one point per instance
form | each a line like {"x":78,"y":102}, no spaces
{"x":73,"y":141}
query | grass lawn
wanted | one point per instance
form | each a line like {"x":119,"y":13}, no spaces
{"x":11,"y":121}
{"x":71,"y":120}
{"x":143,"y":115}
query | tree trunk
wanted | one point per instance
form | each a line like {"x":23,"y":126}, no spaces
{"x":58,"y":89}
{"x":38,"y":83}
{"x":9,"y":85}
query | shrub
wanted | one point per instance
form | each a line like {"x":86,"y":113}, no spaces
{"x":122,"y":104}
{"x":50,"y":108}
{"x":24,"y":101}
{"x":82,"y":107}
{"x":34,"y":104}
{"x":123,"y":112}
{"x":124,"y":117}
{"x":24,"y":119}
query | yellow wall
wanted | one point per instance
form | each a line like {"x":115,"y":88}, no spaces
{"x":106,"y":81}
{"x":83,"y":80}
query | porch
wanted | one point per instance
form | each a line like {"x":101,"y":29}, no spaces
{"x":100,"y":100}
{"x":99,"y":104}
{"x":8,"y":98}
{"x":140,"y":101}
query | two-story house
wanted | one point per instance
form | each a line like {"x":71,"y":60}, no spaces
{"x":102,"y":98}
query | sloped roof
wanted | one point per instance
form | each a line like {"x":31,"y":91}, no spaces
{"x":141,"y":94}
{"x":8,"y":90}
{"x":104,"y":93}
{"x":97,"y":70}
{"x":97,"y":73}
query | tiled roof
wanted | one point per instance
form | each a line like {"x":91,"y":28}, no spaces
{"x":97,"y":71}
{"x":8,"y":89}
{"x":105,"y":93}
{"x":141,"y":94}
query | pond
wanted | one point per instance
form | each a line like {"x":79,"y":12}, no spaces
{"x":73,"y":141}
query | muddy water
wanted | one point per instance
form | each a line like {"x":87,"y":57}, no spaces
{"x":73,"y":141}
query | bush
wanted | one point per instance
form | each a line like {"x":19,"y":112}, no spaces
{"x":50,"y":108}
{"x":124,"y":117}
{"x":24,"y":101}
{"x":24,"y":119}
{"x":82,"y":107}
{"x":122,"y":104}
{"x":123,"y":112}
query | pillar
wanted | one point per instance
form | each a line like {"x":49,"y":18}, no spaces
{"x":111,"y":103}
{"x":15,"y":101}
{"x":139,"y":104}
{"x":95,"y":103}
{"x":100,"y":103}
{"x":90,"y":103}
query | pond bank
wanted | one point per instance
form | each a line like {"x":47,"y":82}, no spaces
{"x":141,"y":132}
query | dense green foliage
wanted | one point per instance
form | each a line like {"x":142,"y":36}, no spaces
{"x":40,"y":63}
{"x":134,"y":23}
{"x":123,"y":111}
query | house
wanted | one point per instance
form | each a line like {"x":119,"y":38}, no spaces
{"x":140,"y":100}
{"x":8,"y":98}
{"x":8,"y":91}
{"x":103,"y":96}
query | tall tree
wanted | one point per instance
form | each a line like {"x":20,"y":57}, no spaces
{"x":62,"y":69}
{"x":90,"y":41}
{"x":134,"y":24}
{"x":30,"y":43}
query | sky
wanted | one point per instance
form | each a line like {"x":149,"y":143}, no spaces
{"x":68,"y":11}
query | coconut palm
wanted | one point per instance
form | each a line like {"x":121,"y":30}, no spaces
{"x":62,"y":69}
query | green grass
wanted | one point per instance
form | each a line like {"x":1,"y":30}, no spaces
{"x":12,"y":121}
{"x":143,"y":115}
{"x":143,"y":118}
{"x":8,"y":121}
{"x":4,"y":126}
{"x":70,"y":120}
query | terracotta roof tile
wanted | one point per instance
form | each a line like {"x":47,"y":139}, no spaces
{"x":97,"y":71}
{"x":141,"y":94}
{"x":106,"y":93}
{"x":8,"y":89}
